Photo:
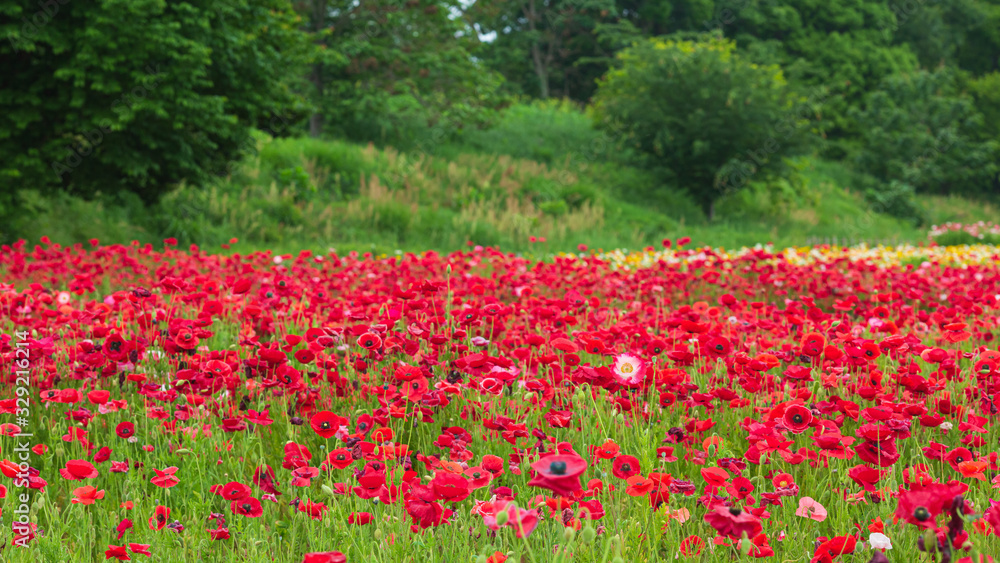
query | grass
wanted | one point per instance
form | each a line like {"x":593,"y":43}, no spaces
{"x":541,"y":173}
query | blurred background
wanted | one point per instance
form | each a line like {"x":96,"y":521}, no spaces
{"x":385,"y":125}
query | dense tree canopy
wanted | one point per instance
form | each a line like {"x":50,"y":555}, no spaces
{"x":138,"y":95}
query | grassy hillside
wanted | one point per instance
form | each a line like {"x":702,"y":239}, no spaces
{"x":542,"y":172}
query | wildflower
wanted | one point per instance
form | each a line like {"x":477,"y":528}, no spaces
{"x":809,"y":508}
{"x":629,"y":370}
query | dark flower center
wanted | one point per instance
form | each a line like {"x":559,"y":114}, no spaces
{"x":246,"y":507}
{"x":341,"y":457}
{"x":959,"y":459}
{"x":626,"y":467}
{"x":735,"y":511}
{"x":325,"y":425}
{"x":797,"y":418}
{"x":557,"y":468}
{"x":476,"y":475}
{"x":921,"y":514}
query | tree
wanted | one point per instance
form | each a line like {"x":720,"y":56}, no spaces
{"x":924,"y":133}
{"x":137,"y":95}
{"x":706,"y":118}
{"x":400,"y":72}
{"x":547,"y":47}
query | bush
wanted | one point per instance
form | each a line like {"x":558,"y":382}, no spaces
{"x":700,"y":115}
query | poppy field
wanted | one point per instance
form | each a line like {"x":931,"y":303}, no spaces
{"x":814,"y":404}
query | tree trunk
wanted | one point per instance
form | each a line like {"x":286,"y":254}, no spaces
{"x":538,"y":60}
{"x":541,"y":72}
{"x":318,"y":24}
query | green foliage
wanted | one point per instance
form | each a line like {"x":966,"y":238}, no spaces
{"x":546,"y":48}
{"x":113,"y":95}
{"x":986,"y":91}
{"x":958,"y":238}
{"x":923,"y":135}
{"x":843,"y":47}
{"x":400,"y":73}
{"x":701,"y":115}
{"x":546,"y":131}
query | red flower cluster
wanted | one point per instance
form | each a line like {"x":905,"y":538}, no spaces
{"x":431,"y":387}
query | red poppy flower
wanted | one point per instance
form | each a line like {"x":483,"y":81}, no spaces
{"x":86,"y":495}
{"x":797,"y":418}
{"x":247,"y":506}
{"x":77,"y":469}
{"x":165,"y":479}
{"x":450,"y":487}
{"x":324,"y":557}
{"x":733,"y":522}
{"x":118,"y":552}
{"x":159,"y":518}
{"x":140,"y":549}
{"x":813,"y":344}
{"x":369,"y":341}
{"x":339,"y":458}
{"x":493,"y":464}
{"x":558,"y":473}
{"x":691,"y":546}
{"x":625,"y":466}
{"x":359,"y":518}
{"x":921,"y":505}
{"x":263,"y":477}
{"x":834,"y":547}
{"x":325,"y":423}
{"x":234,"y":490}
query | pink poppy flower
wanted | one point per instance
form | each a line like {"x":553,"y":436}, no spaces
{"x":809,"y":508}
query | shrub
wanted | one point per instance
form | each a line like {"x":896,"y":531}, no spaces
{"x":700,"y":114}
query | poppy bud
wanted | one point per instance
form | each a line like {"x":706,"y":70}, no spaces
{"x":745,"y":544}
{"x":327,"y":490}
{"x":930,"y":541}
{"x":617,"y":560}
{"x":589,"y":534}
{"x":529,"y":396}
{"x":502,"y":518}
{"x":569,"y":533}
{"x":378,"y":533}
{"x":481,"y":559}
